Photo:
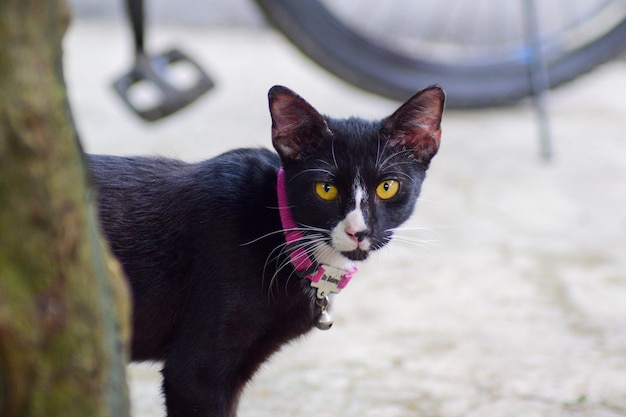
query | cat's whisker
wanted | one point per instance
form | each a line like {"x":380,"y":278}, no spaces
{"x":306,"y":227}
{"x":261,"y":237}
{"x":416,"y":227}
{"x":322,"y":161}
{"x":392,"y":156}
{"x":282,"y":231}
{"x":324,"y":171}
{"x":291,"y":274}
{"x":310,"y":244}
{"x":270,"y":258}
{"x":399,"y":163}
{"x":314,"y":246}
{"x":306,"y":246}
{"x":279,"y":267}
{"x":384,"y":242}
{"x":429,"y":201}
{"x":332,"y":148}
{"x":283,"y":250}
{"x":283,"y":260}
{"x":404,"y":251}
{"x":322,"y":248}
{"x":378,"y":153}
{"x":406,"y":244}
{"x":409,"y":239}
{"x":408,"y":230}
{"x":401,"y":174}
{"x":399,"y":240}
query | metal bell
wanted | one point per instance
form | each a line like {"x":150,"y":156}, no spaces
{"x":324,"y":321}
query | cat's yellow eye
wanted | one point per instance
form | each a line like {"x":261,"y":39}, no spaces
{"x":326,"y":190}
{"x":387,"y":189}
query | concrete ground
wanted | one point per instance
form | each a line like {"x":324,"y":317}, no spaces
{"x":505,"y":298}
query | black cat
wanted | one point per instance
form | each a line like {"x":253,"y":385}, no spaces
{"x":230,"y":258}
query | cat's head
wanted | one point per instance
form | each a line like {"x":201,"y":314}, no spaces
{"x":351,"y":182}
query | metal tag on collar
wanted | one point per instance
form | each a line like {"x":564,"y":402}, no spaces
{"x":327,"y":280}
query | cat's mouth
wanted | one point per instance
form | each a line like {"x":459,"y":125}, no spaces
{"x":356,"y":255}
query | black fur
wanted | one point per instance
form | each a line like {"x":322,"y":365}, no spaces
{"x":202,"y":245}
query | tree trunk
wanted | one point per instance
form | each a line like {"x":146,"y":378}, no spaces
{"x":64,"y":308}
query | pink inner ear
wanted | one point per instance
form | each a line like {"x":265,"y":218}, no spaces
{"x":286,"y":115}
{"x":296,"y":125}
{"x":416,"y":125}
{"x":423,"y":143}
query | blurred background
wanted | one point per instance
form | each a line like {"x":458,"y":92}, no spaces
{"x":182,"y":12}
{"x":506,"y":293}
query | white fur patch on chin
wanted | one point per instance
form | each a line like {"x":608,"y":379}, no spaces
{"x":327,"y":255}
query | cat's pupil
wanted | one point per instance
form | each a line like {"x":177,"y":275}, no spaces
{"x":386,"y":186}
{"x":327,"y":187}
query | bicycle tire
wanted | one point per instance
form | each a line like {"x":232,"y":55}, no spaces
{"x":324,"y":38}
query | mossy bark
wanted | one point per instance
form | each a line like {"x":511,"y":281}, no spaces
{"x":64,"y":308}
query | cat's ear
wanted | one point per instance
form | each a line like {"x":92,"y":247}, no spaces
{"x":416,"y":125}
{"x":297,"y":128}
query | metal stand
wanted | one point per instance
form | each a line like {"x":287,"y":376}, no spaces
{"x":156,"y":71}
{"x":538,"y":77}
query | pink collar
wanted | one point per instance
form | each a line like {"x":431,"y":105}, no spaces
{"x":323,"y":277}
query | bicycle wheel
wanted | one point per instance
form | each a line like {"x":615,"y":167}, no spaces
{"x":476,"y":50}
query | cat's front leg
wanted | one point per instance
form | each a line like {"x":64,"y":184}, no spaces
{"x":193,"y":390}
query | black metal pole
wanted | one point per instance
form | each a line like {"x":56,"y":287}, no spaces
{"x":136,"y":16}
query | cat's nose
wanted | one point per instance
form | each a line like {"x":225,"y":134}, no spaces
{"x":358,"y":237}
